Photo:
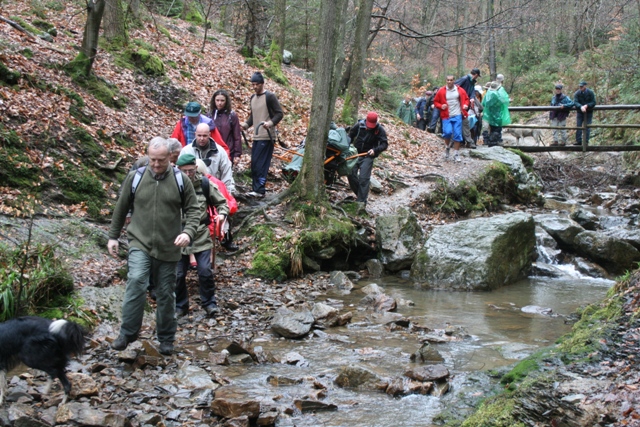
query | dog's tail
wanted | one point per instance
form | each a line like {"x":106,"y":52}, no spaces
{"x":70,"y":336}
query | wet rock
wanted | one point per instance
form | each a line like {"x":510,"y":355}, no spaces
{"x":379,"y":302}
{"x":404,"y":387}
{"x":374,"y":267}
{"x":242,"y":421}
{"x":357,"y":377}
{"x":20,"y":414}
{"x":191,"y":376}
{"x":221,"y":358}
{"x":354,"y":276}
{"x":545,"y":270}
{"x":563,"y":230}
{"x":143,"y":361}
{"x":306,"y":405}
{"x":535,"y":309}
{"x":526,"y":182}
{"x":262,"y":356}
{"x":427,"y":354}
{"x":340,"y":280}
{"x":503,"y":249}
{"x":428,"y":373}
{"x":326,"y":253}
{"x":372,"y":289}
{"x":83,"y":414}
{"x":233,"y":402}
{"x":589,"y":268}
{"x":82,"y":385}
{"x":292,"y":324}
{"x":375,"y":185}
{"x":293,"y":358}
{"x":149,"y":418}
{"x":434,"y":339}
{"x":345,"y":318}
{"x":588,"y":220}
{"x":629,"y":235}
{"x":280,"y":380}
{"x":615,"y":255}
{"x":310,"y":264}
{"x":324,"y":315}
{"x":268,"y":418}
{"x":151,"y":349}
{"x":398,"y":237}
{"x":240,"y":359}
{"x":440,"y":388}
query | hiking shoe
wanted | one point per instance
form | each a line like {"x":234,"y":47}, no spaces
{"x":211,"y":310}
{"x":181,"y":312}
{"x":554,"y":144}
{"x":166,"y":348}
{"x":120,"y":343}
{"x":256,"y":195}
{"x":456,"y":157}
{"x":472,"y":145}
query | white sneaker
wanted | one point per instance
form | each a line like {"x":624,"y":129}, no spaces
{"x":456,"y":157}
{"x":254,"y":194}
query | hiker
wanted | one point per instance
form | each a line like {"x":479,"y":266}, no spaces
{"x":435,"y":113}
{"x":227,"y":240}
{"x":368,"y":137}
{"x":467,"y":83}
{"x":559,"y":117}
{"x":265,"y":110}
{"x":227,"y":123}
{"x":174,"y":150}
{"x":205,"y":148}
{"x":584,"y":100}
{"x":475,"y":115}
{"x":202,"y":244}
{"x":453,"y":103}
{"x":185,"y":129}
{"x":423,"y":110}
{"x":156,"y":234}
{"x":496,"y":112}
{"x":406,"y":111}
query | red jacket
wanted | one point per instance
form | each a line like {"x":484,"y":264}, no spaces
{"x":441,"y":99}
{"x":178,"y":133}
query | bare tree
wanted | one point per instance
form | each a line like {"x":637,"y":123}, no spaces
{"x":83,"y":62}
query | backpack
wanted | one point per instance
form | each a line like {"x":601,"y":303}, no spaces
{"x":136,"y":180}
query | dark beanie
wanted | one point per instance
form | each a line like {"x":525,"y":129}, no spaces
{"x":257,"y":77}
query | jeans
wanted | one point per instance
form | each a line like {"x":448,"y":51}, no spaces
{"x":579,"y":122}
{"x":360,"y":178}
{"x":261,"y":154}
{"x":559,"y":134}
{"x":435,"y":116}
{"x":141,"y":265}
{"x":205,"y":280}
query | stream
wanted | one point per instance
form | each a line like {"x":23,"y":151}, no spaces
{"x":499,"y":334}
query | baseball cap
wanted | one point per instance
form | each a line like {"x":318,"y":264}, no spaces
{"x":372,"y":120}
{"x":583,"y":83}
{"x":476,"y":72}
{"x":559,"y":86}
{"x":192,"y":109}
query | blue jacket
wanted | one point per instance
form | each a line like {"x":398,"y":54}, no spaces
{"x":468,"y":84}
{"x":564,"y":100}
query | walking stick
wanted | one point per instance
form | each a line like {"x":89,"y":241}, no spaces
{"x":245,"y":139}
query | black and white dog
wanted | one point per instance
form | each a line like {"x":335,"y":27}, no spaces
{"x":39,"y":343}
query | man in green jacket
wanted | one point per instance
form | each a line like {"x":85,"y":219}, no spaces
{"x":584,"y":100}
{"x":202,"y":243}
{"x":155,"y":236}
{"x":406,"y":111}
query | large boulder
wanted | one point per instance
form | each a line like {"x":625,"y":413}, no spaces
{"x":477,"y":254}
{"x":615,"y":255}
{"x":563,"y":230}
{"x":527,"y":182}
{"x":398,"y":237}
{"x":629,"y":235}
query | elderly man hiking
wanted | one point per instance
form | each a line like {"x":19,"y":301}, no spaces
{"x":157,"y":195}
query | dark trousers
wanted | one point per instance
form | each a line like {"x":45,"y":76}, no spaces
{"x":360,"y":178}
{"x":261,"y":153}
{"x":205,"y":279}
{"x":421,"y":124}
{"x":579,"y":122}
{"x":435,"y":116}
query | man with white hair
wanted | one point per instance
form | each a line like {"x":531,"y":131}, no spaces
{"x":214,"y":156}
{"x":157,"y":196}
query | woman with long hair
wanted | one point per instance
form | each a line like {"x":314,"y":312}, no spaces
{"x":227,"y":122}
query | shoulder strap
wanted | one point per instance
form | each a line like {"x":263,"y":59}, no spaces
{"x":177,"y":174}
{"x":206,"y":189}
{"x":140,"y":172}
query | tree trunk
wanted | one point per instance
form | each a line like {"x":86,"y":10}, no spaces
{"x":310,"y":182}
{"x":280,"y":10}
{"x":251,"y":34}
{"x":84,"y":61}
{"x":492,"y":42}
{"x":115,"y":30}
{"x":358,"y":58}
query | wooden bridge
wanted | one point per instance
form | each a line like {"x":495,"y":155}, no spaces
{"x":584,"y":147}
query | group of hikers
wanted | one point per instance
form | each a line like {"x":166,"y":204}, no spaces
{"x":462,"y":105}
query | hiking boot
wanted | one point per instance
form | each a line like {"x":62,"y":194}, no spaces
{"x":555,"y":144}
{"x":230,"y":246}
{"x":121,"y":343}
{"x":562,"y":144}
{"x":256,"y":195}
{"x":431,"y":130}
{"x":211,"y":310}
{"x":472,"y":145}
{"x":181,"y":312}
{"x":166,"y":348}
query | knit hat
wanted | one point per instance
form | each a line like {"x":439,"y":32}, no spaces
{"x":559,"y":86}
{"x":372,"y":120}
{"x":186,"y":159}
{"x":192,"y":109}
{"x":257,"y":77}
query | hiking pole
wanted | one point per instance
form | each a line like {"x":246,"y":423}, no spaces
{"x":270,"y":137}
{"x":245,"y":139}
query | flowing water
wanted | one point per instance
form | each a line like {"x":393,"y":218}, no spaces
{"x":499,"y":334}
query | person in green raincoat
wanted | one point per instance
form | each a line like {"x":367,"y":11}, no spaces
{"x":496,"y":112}
{"x":406,"y":111}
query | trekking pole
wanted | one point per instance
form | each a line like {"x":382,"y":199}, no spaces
{"x":245,"y":139}
{"x":270,"y":137}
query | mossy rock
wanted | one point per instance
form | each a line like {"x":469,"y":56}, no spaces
{"x":46,"y":27}
{"x":83,"y":141}
{"x":8,"y":76}
{"x":145,"y":61}
{"x":194,"y":16}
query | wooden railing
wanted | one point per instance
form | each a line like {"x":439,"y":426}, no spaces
{"x":584,"y":147}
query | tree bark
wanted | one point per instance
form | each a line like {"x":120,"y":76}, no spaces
{"x":310,"y":182}
{"x":280,"y":10}
{"x":358,"y":58}
{"x":251,"y":34}
{"x":83,"y":63}
{"x":114,"y":22}
{"x":492,"y":42}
